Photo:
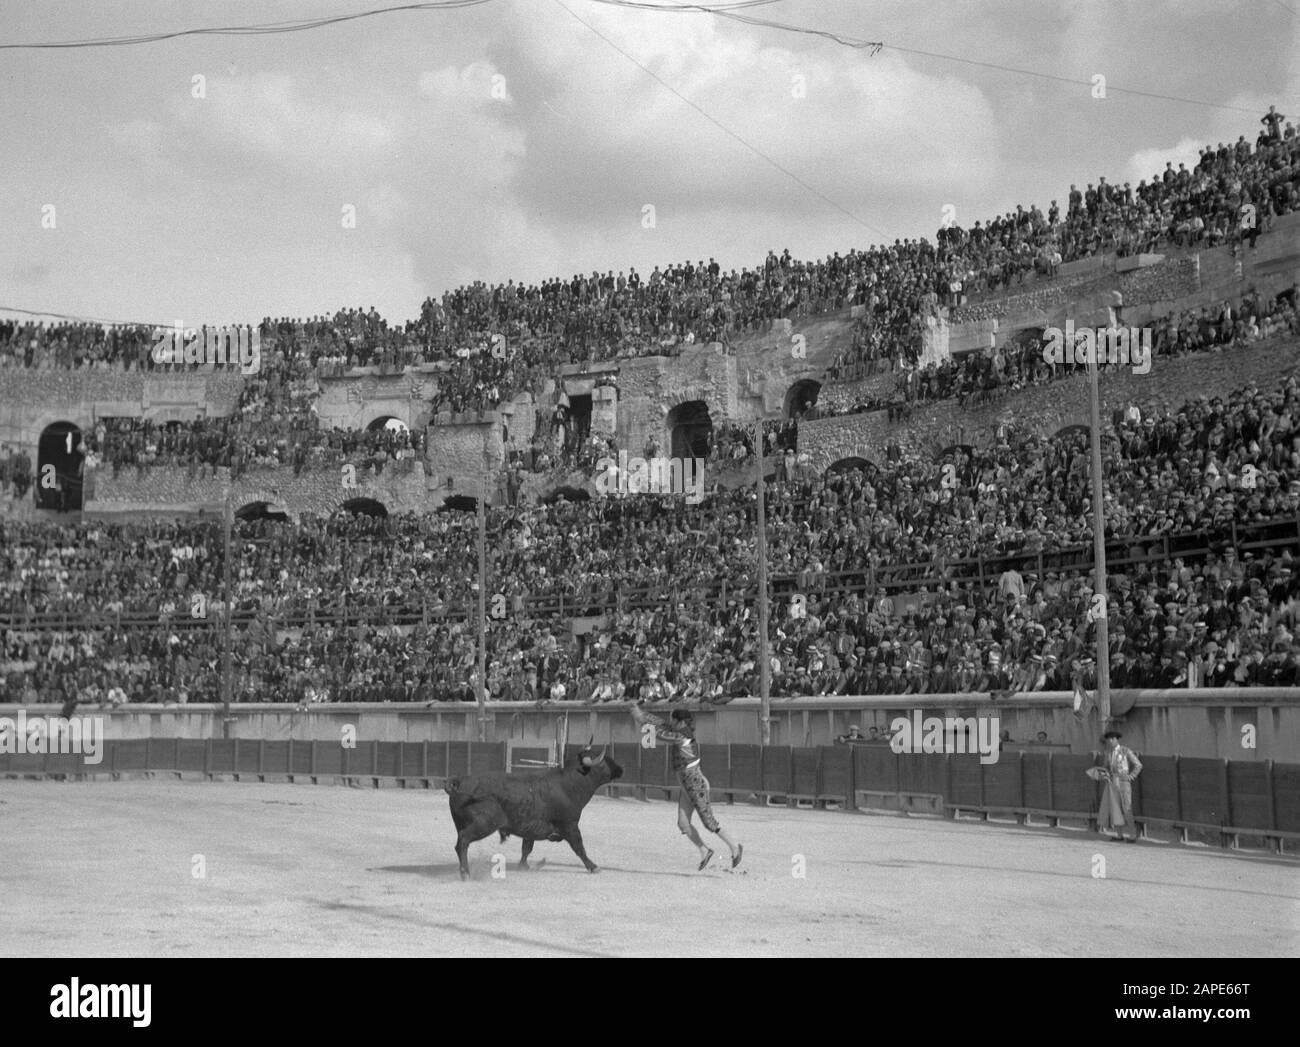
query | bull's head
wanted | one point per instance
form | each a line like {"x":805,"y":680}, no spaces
{"x":601,"y":765}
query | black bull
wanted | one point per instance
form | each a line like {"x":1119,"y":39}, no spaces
{"x":533,"y":807}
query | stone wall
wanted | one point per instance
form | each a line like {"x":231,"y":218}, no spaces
{"x":464,"y":448}
{"x":469,"y":452}
{"x":1161,"y":286}
{"x":357,"y":402}
{"x":1045,"y":410}
{"x":739,"y":383}
{"x":401,"y":487}
{"x":1183,"y":279}
{"x":749,"y":378}
{"x":32,"y":400}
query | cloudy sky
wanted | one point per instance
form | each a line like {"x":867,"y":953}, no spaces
{"x":526,"y":138}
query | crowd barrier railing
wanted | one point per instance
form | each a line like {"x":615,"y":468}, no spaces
{"x":1281,"y":532}
{"x":1184,"y":794}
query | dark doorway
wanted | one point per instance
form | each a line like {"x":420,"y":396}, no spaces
{"x":845,"y":465}
{"x":568,"y":494}
{"x":364,"y":507}
{"x":261,"y":511}
{"x":59,"y":462}
{"x":461,"y":503}
{"x":580,"y":415}
{"x":690,"y":427}
{"x":801,"y":399}
{"x":388,"y":421}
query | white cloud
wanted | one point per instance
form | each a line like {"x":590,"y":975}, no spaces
{"x":864,"y":131}
{"x":1145,"y":163}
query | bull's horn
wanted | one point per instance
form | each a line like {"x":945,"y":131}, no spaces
{"x":602,"y":753}
{"x":591,"y":741}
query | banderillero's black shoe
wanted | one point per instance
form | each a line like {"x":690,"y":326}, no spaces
{"x":740,"y":853}
{"x":705,"y":860}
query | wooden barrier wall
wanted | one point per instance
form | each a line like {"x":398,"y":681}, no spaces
{"x":1239,"y":724}
{"x":1230,"y":797}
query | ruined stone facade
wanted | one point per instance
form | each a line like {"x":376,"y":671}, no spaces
{"x":633,"y":400}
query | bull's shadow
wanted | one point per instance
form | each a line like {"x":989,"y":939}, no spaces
{"x":435,"y":871}
{"x":478,"y":870}
{"x":482,"y":870}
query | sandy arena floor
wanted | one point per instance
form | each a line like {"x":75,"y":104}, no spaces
{"x":289,"y":870}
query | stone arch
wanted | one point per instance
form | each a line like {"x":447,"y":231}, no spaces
{"x":381,"y":420}
{"x":801,"y":396}
{"x":60,"y":461}
{"x":364,"y":507}
{"x":690,"y":427}
{"x":568,"y":494}
{"x":83,"y":420}
{"x":1029,"y":337}
{"x":262,"y":510}
{"x":844,"y":465}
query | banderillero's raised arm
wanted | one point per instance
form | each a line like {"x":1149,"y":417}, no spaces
{"x":641,"y":716}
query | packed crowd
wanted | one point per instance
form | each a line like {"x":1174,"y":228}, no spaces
{"x":978,"y":377}
{"x":1207,"y":329}
{"x":240,"y":443}
{"x":494,"y":341}
{"x":15,"y":472}
{"x":735,"y":443}
{"x":274,"y":424}
{"x":355,"y":607}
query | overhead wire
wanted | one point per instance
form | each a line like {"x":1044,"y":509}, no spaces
{"x":260,"y":29}
{"x":875,"y":46}
{"x":722,"y":10}
{"x":83,"y":319}
{"x":723,"y":127}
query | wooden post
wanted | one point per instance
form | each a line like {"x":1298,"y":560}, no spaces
{"x":1099,"y":543}
{"x":1225,"y":799}
{"x":482,"y":612}
{"x":1052,"y":820}
{"x":765,"y":661}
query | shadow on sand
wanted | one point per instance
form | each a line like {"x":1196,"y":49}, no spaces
{"x":482,"y":870}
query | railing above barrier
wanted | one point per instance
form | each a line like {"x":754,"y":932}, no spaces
{"x":1121,"y":698}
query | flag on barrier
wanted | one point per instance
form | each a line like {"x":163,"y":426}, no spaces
{"x":1083,"y":702}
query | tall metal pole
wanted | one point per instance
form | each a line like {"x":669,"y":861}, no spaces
{"x":482,"y":613}
{"x":227,"y":604}
{"x":1099,"y":542}
{"x":764,"y":661}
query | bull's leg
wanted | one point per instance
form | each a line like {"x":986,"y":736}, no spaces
{"x":573,"y":835}
{"x":523,"y":856}
{"x":482,"y":819}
